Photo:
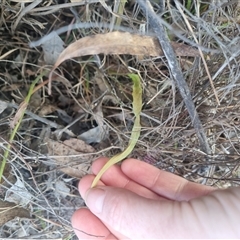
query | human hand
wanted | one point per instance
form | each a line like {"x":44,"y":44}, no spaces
{"x":140,"y":201}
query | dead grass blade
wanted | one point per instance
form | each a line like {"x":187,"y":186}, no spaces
{"x":7,"y":53}
{"x":176,"y":72}
{"x":24,"y":12}
{"x":120,"y":43}
{"x":200,"y":51}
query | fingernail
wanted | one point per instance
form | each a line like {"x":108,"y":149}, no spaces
{"x":94,"y":199}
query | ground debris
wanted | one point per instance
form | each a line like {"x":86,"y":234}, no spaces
{"x":91,"y":91}
{"x":71,"y":156}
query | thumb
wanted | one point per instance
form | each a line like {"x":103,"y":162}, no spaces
{"x":124,"y":212}
{"x":131,"y":215}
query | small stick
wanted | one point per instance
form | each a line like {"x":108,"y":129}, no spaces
{"x":158,"y":28}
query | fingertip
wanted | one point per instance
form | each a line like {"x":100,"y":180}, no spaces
{"x":88,"y":226}
{"x":132,"y":160}
{"x":77,"y":215}
{"x":76,"y":220}
{"x":85,"y":183}
{"x":98,"y":164}
{"x":130,"y":163}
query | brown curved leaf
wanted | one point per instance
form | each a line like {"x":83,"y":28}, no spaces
{"x":120,"y":43}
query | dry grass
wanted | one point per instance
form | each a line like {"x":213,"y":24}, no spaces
{"x":168,"y":139}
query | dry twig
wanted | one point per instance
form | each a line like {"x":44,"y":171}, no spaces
{"x":146,"y":7}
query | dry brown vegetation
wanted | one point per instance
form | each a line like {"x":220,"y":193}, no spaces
{"x":54,"y":146}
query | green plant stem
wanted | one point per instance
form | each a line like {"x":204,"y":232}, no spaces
{"x":120,"y":12}
{"x":136,"y":130}
{"x":189,"y":4}
{"x":14,"y":131}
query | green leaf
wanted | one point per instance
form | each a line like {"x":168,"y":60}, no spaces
{"x":137,"y":107}
{"x":14,"y":131}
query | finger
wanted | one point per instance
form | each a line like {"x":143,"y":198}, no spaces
{"x":133,"y":216}
{"x":99,"y":161}
{"x":211,"y":216}
{"x":161,"y":182}
{"x":88,"y":226}
{"x":116,"y":178}
{"x":85,"y":183}
{"x":83,"y":186}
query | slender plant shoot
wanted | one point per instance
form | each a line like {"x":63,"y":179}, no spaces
{"x":137,"y":107}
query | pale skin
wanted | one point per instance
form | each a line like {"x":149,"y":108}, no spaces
{"x":138,"y":201}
